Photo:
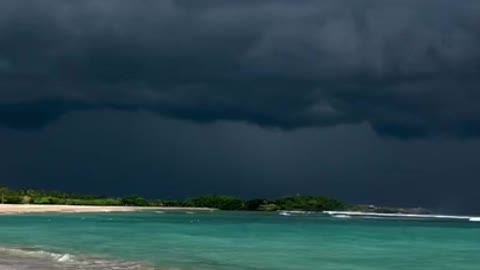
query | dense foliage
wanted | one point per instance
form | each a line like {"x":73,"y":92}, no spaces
{"x":53,"y":197}
{"x":215,"y":201}
{"x":308,"y":203}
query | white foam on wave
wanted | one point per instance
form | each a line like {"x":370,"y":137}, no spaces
{"x":341,"y":216}
{"x":39,"y":254}
{"x":392,"y":215}
{"x":64,"y":258}
{"x":294,"y":213}
{"x":68,"y":261}
{"x":284,"y":213}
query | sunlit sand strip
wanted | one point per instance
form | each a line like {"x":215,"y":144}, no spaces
{"x":29,"y":208}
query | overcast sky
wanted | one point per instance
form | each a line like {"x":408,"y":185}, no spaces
{"x":368,"y":101}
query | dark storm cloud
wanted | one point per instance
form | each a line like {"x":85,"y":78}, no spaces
{"x":406,"y":68}
{"x":115,"y":153}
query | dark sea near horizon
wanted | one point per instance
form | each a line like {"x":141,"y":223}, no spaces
{"x":234,"y":241}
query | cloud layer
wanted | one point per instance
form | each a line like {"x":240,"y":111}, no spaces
{"x":406,"y":68}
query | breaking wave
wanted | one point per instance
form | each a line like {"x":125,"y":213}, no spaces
{"x":30,"y":258}
{"x":400,"y":216}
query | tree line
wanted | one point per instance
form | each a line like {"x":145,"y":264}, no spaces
{"x":222,"y":202}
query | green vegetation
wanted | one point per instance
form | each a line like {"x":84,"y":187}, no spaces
{"x":215,"y":201}
{"x":307,"y":203}
{"x":53,"y":197}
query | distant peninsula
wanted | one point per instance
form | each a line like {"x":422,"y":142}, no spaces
{"x":221,"y":202}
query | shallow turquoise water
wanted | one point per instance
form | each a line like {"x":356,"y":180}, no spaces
{"x":239,"y":241}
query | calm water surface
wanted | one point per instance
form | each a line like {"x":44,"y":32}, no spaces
{"x":234,"y":241}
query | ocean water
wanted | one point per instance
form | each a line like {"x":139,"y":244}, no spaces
{"x":234,"y":241}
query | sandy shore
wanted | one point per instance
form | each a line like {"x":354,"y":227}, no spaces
{"x":30,"y":208}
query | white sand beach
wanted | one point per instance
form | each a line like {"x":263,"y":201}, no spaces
{"x":35,"y":208}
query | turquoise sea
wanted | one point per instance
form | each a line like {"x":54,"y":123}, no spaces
{"x":234,"y":241}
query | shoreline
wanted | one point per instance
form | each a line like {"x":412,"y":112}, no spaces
{"x":39,"y":208}
{"x":43,"y":259}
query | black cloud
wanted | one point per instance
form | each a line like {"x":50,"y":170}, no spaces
{"x":407,"y":68}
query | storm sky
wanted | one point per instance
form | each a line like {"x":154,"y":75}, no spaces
{"x":368,"y":101}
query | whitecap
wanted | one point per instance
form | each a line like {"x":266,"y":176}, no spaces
{"x":50,"y":260}
{"x":398,"y":215}
{"x":341,"y":216}
{"x":64,"y":258}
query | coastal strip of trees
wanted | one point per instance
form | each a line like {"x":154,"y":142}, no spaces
{"x":222,"y":202}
